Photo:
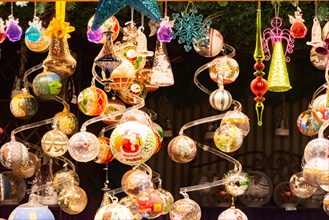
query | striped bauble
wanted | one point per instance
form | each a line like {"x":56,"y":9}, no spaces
{"x":220,"y":99}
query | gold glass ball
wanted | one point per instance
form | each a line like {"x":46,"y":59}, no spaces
{"x":67,"y":122}
{"x":72,"y":200}
{"x":29,"y":169}
{"x":65,"y":177}
{"x":54,"y":143}
{"x":185,"y":209}
{"x":122,"y":76}
{"x":47,"y":85}
{"x":92,"y":101}
{"x":41,"y":45}
{"x":238,"y":119}
{"x":228,"y":138}
{"x":23,"y":105}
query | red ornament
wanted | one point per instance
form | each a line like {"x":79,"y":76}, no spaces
{"x":298,"y":30}
{"x":259,"y":66}
{"x":259,"y":86}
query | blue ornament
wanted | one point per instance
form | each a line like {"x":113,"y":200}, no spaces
{"x":107,"y":8}
{"x":33,"y":33}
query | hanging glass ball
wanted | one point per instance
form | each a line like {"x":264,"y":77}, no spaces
{"x":33,"y":33}
{"x":283,"y":196}
{"x":313,"y":169}
{"x":318,"y":60}
{"x":122,"y":76}
{"x":83,"y":146}
{"x":299,"y":187}
{"x":47,"y":85}
{"x":135,"y":88}
{"x":92,"y":101}
{"x":319,"y":109}
{"x":228,"y":138}
{"x":111,"y":24}
{"x":149,"y":203}
{"x":136,"y":115}
{"x":232,"y":214}
{"x":210,"y":45}
{"x":167,"y":201}
{"x":13,"y":30}
{"x":323,"y":180}
{"x":182,"y":149}
{"x":131,"y":203}
{"x":132,"y":143}
{"x":220,"y":99}
{"x":185,"y":209}
{"x":238,"y":119}
{"x":307,"y":123}
{"x":30,"y":168}
{"x":41,"y":45}
{"x":326,"y":204}
{"x":5,"y":187}
{"x":236,"y":183}
{"x":226,"y":66}
{"x":113,"y":106}
{"x":16,"y":188}
{"x":317,"y":149}
{"x":54,"y":143}
{"x":67,"y":122}
{"x":104,"y":155}
{"x":134,"y":181}
{"x":13,"y":155}
{"x":116,"y":211}
{"x":72,"y":200}
{"x":129,"y":51}
{"x":23,"y":105}
{"x":64,"y":178}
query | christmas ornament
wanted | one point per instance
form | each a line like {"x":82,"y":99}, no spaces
{"x":283,"y":196}
{"x":15,"y":190}
{"x":136,"y":88}
{"x":113,"y":106}
{"x":3,"y":34}
{"x":232,"y":214}
{"x":313,"y":170}
{"x":104,"y":155}
{"x":319,"y":109}
{"x":228,"y":138}
{"x":39,"y":46}
{"x":326,"y":204}
{"x":316,"y":39}
{"x":33,"y":33}
{"x":59,"y":29}
{"x":72,"y":200}
{"x":131,"y":203}
{"x":136,"y":115}
{"x":238,"y":119}
{"x":47,"y":85}
{"x":117,"y":211}
{"x":165,"y":32}
{"x":149,"y":203}
{"x":226,"y":66}
{"x":92,"y":101}
{"x":54,"y":143}
{"x":318,"y":60}
{"x":30,"y":168}
{"x":13,"y":155}
{"x":134,"y":181}
{"x":182,"y":149}
{"x":298,"y":28}
{"x":167,"y":201}
{"x":66,"y":121}
{"x":317,"y":149}
{"x":13,"y":30}
{"x":23,"y":105}
{"x":144,"y":76}
{"x":299,"y":187}
{"x":49,"y":196}
{"x":122,"y":76}
{"x":185,"y":209}
{"x":108,"y":8}
{"x":323,"y":180}
{"x":307,"y":123}
{"x":98,"y":36}
{"x":141,"y":45}
{"x":65,"y":177}
{"x":130,"y":52}
{"x":211,"y":44}
{"x":220,"y":99}
{"x":236,"y":183}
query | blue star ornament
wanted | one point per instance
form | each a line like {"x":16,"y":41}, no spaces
{"x":107,"y":8}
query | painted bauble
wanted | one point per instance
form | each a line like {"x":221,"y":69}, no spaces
{"x":64,"y":178}
{"x":319,"y":109}
{"x":149,"y":203}
{"x":232,"y":214}
{"x":134,"y":181}
{"x":41,"y":45}
{"x":220,"y":99}
{"x":92,"y":101}
{"x":23,"y":105}
{"x":326,"y":204}
{"x":318,"y":60}
{"x":236,"y":183}
{"x":299,"y":187}
{"x":83,"y":146}
{"x":136,"y":88}
{"x":185,"y":209}
{"x":144,"y":76}
{"x":313,"y":170}
{"x":112,"y":23}
{"x":132,"y":143}
{"x":13,"y":155}
{"x":17,"y":188}
{"x":30,"y":168}
{"x":228,"y":138}
{"x":5,"y":187}
{"x":47,"y":85}
{"x":131,"y":203}
{"x":113,"y":106}
{"x":158,"y":130}
{"x":129,"y":51}
{"x":182,"y":149}
{"x":104,"y":155}
{"x":317,"y":149}
{"x":307,"y":124}
{"x":54,"y":143}
{"x":72,"y":200}
{"x":67,"y":122}
{"x":116,"y":211}
{"x":136,"y":115}
{"x":211,"y":45}
{"x":167,"y":201}
{"x":225,"y":66}
{"x":123,"y":75}
{"x":238,"y":119}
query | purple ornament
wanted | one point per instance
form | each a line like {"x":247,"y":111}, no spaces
{"x":95,"y":36}
{"x":13,"y":31}
{"x":165,"y":33}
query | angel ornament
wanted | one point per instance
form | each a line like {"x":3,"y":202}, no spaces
{"x":298,"y":28}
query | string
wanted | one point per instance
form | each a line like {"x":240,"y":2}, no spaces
{"x":165,"y":9}
{"x":12,"y":8}
{"x":188,"y":4}
{"x":316,"y":8}
{"x":276,"y":9}
{"x":142,"y":22}
{"x":35,"y":9}
{"x":132,"y":15}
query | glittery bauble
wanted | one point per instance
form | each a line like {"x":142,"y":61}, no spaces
{"x":136,"y":115}
{"x":132,"y":143}
{"x":317,"y":149}
{"x":83,"y":146}
{"x":131,"y":203}
{"x":149,"y":203}
{"x":113,"y":106}
{"x":17,"y":188}
{"x":136,"y":88}
{"x":319,"y":109}
{"x":104,"y":155}
{"x":307,"y":124}
{"x":123,"y":75}
{"x":41,"y":45}
{"x":185,"y":209}
{"x":47,"y":85}
{"x":318,"y":60}
{"x":299,"y":187}
{"x":283,"y":196}
{"x":129,"y":51}
{"x":182,"y":149}
{"x":13,"y":155}
{"x":54,"y":143}
{"x":211,"y":45}
{"x":228,"y":138}
{"x":167,"y":201}
{"x":23,"y":105}
{"x":111,"y":24}
{"x":30,"y":168}
{"x":232,"y":214}
{"x":92,"y":101}
{"x":326,"y":204}
{"x":116,"y":211}
{"x":134,"y":181}
{"x":236,"y":183}
{"x":72,"y":200}
{"x":220,"y":99}
{"x":144,"y":76}
{"x":67,"y":122}
{"x":238,"y":119}
{"x":31,"y":210}
{"x":64,"y":178}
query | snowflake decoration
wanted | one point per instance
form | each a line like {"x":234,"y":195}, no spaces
{"x":190,"y":28}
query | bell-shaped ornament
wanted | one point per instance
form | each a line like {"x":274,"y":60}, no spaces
{"x":162,"y":73}
{"x":278,"y":78}
{"x":316,"y":39}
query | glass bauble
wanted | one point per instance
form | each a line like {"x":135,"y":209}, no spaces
{"x":318,"y":60}
{"x":92,"y":101}
{"x":104,"y":155}
{"x":13,"y":155}
{"x":122,"y":76}
{"x":317,"y":149}
{"x":185,"y":209}
{"x":158,"y":143}
{"x":182,"y":149}
{"x":33,"y":33}
{"x":236,"y":183}
{"x":312,"y":171}
{"x":132,"y":143}
{"x":67,"y":122}
{"x":319,"y":109}
{"x":131,"y":203}
{"x":158,"y":130}
{"x":116,"y":211}
{"x":135,"y":88}
{"x":299,"y":187}
{"x":129,"y":51}
{"x":113,"y":106}
{"x":232,"y":214}
{"x":83,"y":146}
{"x":65,"y":177}
{"x":228,"y":138}
{"x":307,"y":123}
{"x":111,"y":24}
{"x":323,"y":180}
{"x":47,"y":85}
{"x":314,"y":201}
{"x":167,"y":201}
{"x":144,"y":76}
{"x":41,"y":45}
{"x":13,"y":30}
{"x":211,"y":45}
{"x":149,"y":203}
{"x":16,"y":188}
{"x":326,"y":204}
{"x":134,"y":181}
{"x":23,"y":105}
{"x":237,"y":118}
{"x":30,"y":168}
{"x":136,"y":115}
{"x":54,"y":143}
{"x":283,"y":196}
{"x":220,"y":99}
{"x":72,"y":200}
{"x":5,"y":187}
{"x":226,"y":67}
